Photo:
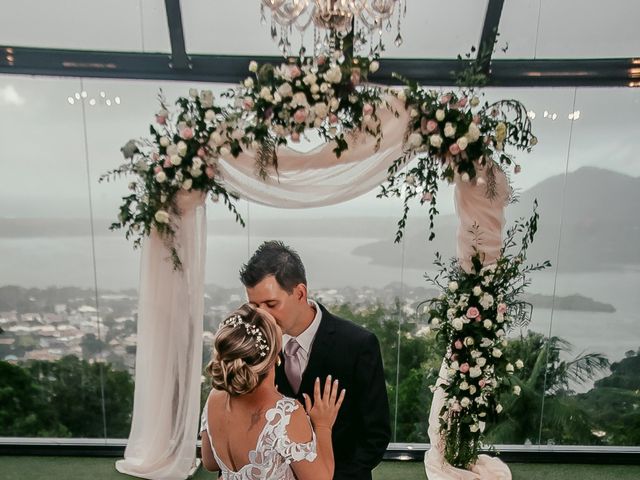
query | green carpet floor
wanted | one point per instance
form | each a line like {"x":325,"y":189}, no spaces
{"x":79,"y":468}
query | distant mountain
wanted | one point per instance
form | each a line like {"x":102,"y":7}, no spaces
{"x":597,"y":228}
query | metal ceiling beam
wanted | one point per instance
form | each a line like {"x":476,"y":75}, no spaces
{"x":489,"y":34}
{"x":614,"y":72}
{"x":179,"y":57}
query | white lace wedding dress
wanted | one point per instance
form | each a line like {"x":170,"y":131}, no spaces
{"x":274,"y":451}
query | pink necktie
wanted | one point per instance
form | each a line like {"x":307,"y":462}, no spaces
{"x":292,"y":364}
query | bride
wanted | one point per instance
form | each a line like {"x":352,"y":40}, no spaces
{"x":249,"y":430}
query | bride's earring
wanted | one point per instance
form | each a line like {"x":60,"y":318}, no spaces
{"x":278,"y":361}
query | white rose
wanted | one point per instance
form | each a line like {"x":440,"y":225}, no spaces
{"x":315,"y":88}
{"x":161,"y":216}
{"x":519,"y":364}
{"x":285,"y":90}
{"x":265,"y":93}
{"x":500,"y":317}
{"x":310,"y":79}
{"x":401,"y":95}
{"x":321,"y":109}
{"x":175,"y":160}
{"x":498,"y":408}
{"x":413,"y":113}
{"x":465,"y":402}
{"x":299,"y":100}
{"x":435,"y":140}
{"x":172,"y":150}
{"x":451,"y":313}
{"x":248,"y":82}
{"x":193,"y":92}
{"x":440,"y":115}
{"x":182,"y":148}
{"x":334,"y":104}
{"x":457,"y":323}
{"x":477,"y":291}
{"x":509,"y":368}
{"x":500,"y":333}
{"x":462,"y":143}
{"x":196,"y":162}
{"x":165,"y":142}
{"x":449,"y":130}
{"x":435,"y":322}
{"x":472,"y":389}
{"x":186,"y":185}
{"x":195,"y":172}
{"x":453,"y":286}
{"x":475,"y":372}
{"x":468,"y":341}
{"x":473,"y":134}
{"x":517,"y":390}
{"x":209,"y":115}
{"x":334,"y":74}
{"x":414,"y":140}
{"x":481,"y":361}
{"x":464,"y":386}
{"x":206,"y":98}
{"x":161,"y":177}
{"x":473,"y":428}
{"x":374,"y":66}
{"x":253,"y":66}
{"x":455,"y":366}
{"x":216,"y":138}
{"x":487,"y":324}
{"x":496,"y":352}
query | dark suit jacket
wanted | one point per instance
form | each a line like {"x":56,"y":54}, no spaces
{"x":351,"y":354}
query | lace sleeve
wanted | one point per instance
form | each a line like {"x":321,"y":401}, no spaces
{"x":295,"y":452}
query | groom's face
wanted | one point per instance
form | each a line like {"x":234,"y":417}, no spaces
{"x":284,"y":306}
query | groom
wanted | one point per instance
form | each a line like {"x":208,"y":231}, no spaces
{"x":316,"y":344}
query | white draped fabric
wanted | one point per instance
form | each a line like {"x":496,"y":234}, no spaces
{"x":317,"y":178}
{"x":169,"y":352}
{"x":474,"y":208}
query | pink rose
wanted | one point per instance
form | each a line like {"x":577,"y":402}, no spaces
{"x":300,"y":116}
{"x":462,"y":102}
{"x":445,"y":99}
{"x":333,"y":118}
{"x":247,"y":103}
{"x":161,"y":119}
{"x":355,"y":76}
{"x":482,"y":382}
{"x":502,"y":308}
{"x":427,"y":197}
{"x":464,"y":368}
{"x":431,"y":125}
{"x":295,"y":136}
{"x":321,"y":60}
{"x":158,"y":169}
{"x":294,"y":71}
{"x":210,"y":171}
{"x":456,"y":407}
{"x":473,"y":312}
{"x":517,"y":169}
{"x":454,"y":149}
{"x":155,"y":156}
{"x":201,"y":152}
{"x":167,"y":163}
{"x":367,"y":109}
{"x":458,"y":344}
{"x":186,"y":133}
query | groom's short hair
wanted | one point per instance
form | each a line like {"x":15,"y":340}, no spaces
{"x":277,"y":259}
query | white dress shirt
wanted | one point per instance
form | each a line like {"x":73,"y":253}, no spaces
{"x":305,"y":339}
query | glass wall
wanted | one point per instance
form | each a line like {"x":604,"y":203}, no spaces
{"x":68,"y":286}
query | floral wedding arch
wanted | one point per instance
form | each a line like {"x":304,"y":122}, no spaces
{"x":240,"y":149}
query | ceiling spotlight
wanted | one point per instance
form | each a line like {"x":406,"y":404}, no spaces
{"x":71,"y":100}
{"x":83,"y":94}
{"x":92,"y":102}
{"x":576,"y":115}
{"x":103,"y":95}
{"x":77,"y":95}
{"x":117,"y":100}
{"x":108,"y":102}
{"x":554,"y":116}
{"x":531,"y":114}
{"x":545,"y":114}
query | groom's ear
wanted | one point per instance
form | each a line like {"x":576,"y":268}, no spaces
{"x":300,"y":292}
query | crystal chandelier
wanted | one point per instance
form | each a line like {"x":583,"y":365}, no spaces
{"x":332,"y":21}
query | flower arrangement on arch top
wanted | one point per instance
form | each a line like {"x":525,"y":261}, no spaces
{"x":471,"y":318}
{"x":180,"y":156}
{"x":276,"y":104}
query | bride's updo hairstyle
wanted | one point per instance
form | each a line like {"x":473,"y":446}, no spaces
{"x":245,"y":348}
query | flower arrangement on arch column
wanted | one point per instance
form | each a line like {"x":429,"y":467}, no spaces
{"x":180,"y":156}
{"x":471,"y":318}
{"x":452,"y":135}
